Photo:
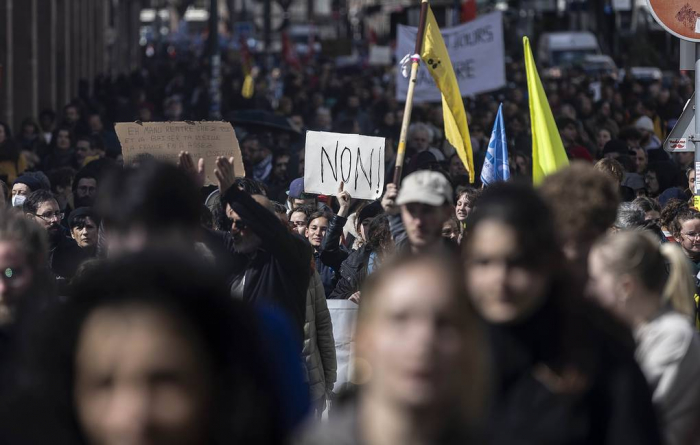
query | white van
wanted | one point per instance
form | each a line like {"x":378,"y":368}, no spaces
{"x":563,"y":49}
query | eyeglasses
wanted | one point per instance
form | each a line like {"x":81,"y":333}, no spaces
{"x":691,"y":235}
{"x":51,"y":216}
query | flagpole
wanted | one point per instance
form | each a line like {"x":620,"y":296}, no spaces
{"x":415,"y":63}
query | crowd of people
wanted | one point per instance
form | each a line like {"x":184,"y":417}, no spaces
{"x":138,"y":305}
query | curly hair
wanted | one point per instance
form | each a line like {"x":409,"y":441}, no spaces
{"x":669,"y":212}
{"x":683,"y":215}
{"x":583,"y":200}
{"x":611,"y":167}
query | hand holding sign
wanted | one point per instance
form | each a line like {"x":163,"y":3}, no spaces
{"x":352,"y":159}
{"x":344,"y":200}
{"x":389,"y":199}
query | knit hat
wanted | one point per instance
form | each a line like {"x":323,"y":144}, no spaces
{"x":34,"y":180}
{"x":615,"y":146}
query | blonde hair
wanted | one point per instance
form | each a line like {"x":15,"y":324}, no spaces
{"x":637,"y":253}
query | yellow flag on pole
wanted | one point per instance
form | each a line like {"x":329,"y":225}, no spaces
{"x":548,"y":154}
{"x":436,"y":58}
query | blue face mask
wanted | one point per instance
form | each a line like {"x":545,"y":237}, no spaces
{"x":18,"y":200}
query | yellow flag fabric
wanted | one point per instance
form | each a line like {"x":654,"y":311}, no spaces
{"x":436,"y":58}
{"x":548,"y":154}
{"x":248,"y":86}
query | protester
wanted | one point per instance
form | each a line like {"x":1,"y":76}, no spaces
{"x":416,"y":339}
{"x":27,"y":183}
{"x":4,"y":195}
{"x":61,"y":181}
{"x":12,"y":160}
{"x":668,"y":215}
{"x":316,"y":231}
{"x":559,"y":361}
{"x":652,"y":211}
{"x":299,"y":219}
{"x":466,"y":198}
{"x":319,"y":346}
{"x":64,"y":254}
{"x":296,"y":197}
{"x":424,"y":204}
{"x":584,"y":204}
{"x":83,"y":224}
{"x":364,"y":261}
{"x":269,"y":264}
{"x":153,"y":206}
{"x":85,"y":187}
{"x":686,"y":230}
{"x":195,"y":363}
{"x":628,"y":276}
{"x":23,"y":271}
{"x":629,"y":216}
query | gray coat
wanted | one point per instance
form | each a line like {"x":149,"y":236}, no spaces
{"x":319,"y":344}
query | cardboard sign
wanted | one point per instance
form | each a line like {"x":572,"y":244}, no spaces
{"x":477,"y":53}
{"x":165,"y":140}
{"x":355,"y":160}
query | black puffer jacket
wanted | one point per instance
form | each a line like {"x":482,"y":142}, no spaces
{"x":353,"y":272}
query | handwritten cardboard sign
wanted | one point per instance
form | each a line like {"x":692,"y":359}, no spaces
{"x":165,"y":140}
{"x":355,"y":160}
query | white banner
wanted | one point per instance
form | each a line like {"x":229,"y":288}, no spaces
{"x":477,"y":55}
{"x":344,"y":318}
{"x":355,"y":160}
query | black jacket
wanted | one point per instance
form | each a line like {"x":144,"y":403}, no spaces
{"x":353,"y":272}
{"x":331,"y":252}
{"x":277,"y":274}
{"x":568,"y":376}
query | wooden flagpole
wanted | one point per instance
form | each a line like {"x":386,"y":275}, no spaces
{"x":415,"y":63}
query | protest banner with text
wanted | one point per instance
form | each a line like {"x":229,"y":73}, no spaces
{"x":476,"y":51}
{"x":165,"y":140}
{"x":355,"y":160}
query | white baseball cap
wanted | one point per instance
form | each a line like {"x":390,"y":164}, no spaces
{"x":425,"y":187}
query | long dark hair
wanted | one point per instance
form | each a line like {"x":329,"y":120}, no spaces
{"x":245,"y":406}
{"x":565,"y":318}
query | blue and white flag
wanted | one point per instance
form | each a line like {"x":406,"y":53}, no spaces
{"x":496,"y":162}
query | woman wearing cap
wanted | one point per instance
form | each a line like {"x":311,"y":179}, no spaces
{"x":565,"y":370}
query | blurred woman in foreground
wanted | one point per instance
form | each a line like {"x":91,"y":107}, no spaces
{"x":565,"y":372}
{"x":628,"y":276}
{"x":150,"y":350}
{"x":419,"y":359}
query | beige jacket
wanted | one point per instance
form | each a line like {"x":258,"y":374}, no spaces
{"x":319,"y":344}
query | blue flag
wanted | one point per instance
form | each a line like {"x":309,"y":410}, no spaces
{"x":496,"y":162}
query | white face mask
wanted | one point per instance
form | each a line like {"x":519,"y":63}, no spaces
{"x":18,"y":200}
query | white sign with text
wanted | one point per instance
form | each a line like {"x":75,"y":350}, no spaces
{"x":353,"y":159}
{"x":476,"y":51}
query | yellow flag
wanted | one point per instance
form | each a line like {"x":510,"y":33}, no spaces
{"x":548,"y":154}
{"x":248,"y":86}
{"x":435,"y":56}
